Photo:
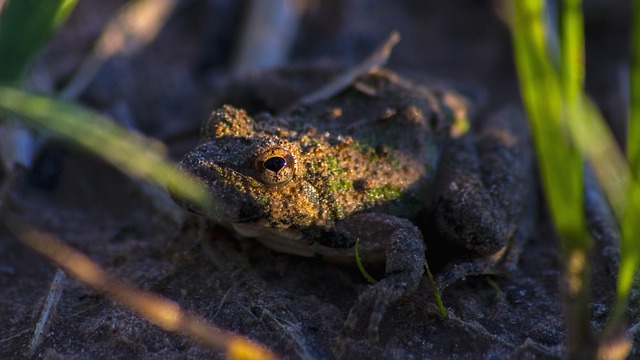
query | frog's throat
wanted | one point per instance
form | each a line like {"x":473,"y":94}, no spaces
{"x":292,"y":242}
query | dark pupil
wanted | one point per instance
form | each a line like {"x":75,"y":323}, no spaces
{"x":275,"y":163}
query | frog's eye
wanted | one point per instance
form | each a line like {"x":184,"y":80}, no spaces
{"x":275,"y":166}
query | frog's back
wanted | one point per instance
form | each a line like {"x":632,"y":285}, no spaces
{"x":384,"y":111}
{"x":375,"y":144}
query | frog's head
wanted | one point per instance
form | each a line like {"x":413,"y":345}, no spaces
{"x":252,"y":177}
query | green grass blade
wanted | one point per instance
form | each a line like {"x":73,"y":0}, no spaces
{"x":436,"y":293}
{"x":566,"y":126}
{"x":572,"y":81}
{"x":360,"y":265}
{"x":633,"y":139}
{"x":629,"y":247}
{"x":25,"y":26}
{"x":543,"y":90}
{"x":129,"y":151}
{"x":572,"y":50}
{"x":629,"y":251}
{"x":560,"y":162}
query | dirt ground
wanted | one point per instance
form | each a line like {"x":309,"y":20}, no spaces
{"x":295,"y":306}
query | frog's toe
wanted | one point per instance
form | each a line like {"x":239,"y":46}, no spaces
{"x":376,"y":298}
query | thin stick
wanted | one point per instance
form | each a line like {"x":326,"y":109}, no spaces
{"x":373,"y":62}
{"x":50,"y":305}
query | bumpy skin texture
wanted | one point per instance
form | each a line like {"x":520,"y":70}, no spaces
{"x":484,"y":183}
{"x":357,"y":167}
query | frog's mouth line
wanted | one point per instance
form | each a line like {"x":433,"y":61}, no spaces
{"x":294,"y":242}
{"x":281,"y":240}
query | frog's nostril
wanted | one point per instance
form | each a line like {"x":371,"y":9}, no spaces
{"x":275,"y":163}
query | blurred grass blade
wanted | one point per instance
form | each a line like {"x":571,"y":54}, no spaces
{"x":543,"y":89}
{"x":542,"y":97}
{"x":25,"y":26}
{"x":630,"y":248}
{"x":567,"y":126}
{"x":572,"y":51}
{"x":633,"y":140}
{"x":130,"y":152}
{"x":619,"y":178}
{"x":596,"y":141}
{"x":136,"y":24}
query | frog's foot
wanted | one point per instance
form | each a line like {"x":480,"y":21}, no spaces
{"x":377,"y":298}
{"x":404,"y":250}
{"x":496,"y":264}
{"x":380,"y":296}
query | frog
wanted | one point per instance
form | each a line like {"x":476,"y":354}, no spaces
{"x":366,"y":166}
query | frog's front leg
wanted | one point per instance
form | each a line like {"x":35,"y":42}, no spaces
{"x":485,"y":185}
{"x":404,"y":266}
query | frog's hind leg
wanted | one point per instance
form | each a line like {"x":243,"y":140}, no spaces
{"x":404,"y":267}
{"x":485,"y":195}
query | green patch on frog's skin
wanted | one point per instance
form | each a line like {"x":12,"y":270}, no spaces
{"x":263,"y":200}
{"x":366,"y":150}
{"x":340,"y":185}
{"x":384,"y":154}
{"x":332,"y":165}
{"x":386,"y":192}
